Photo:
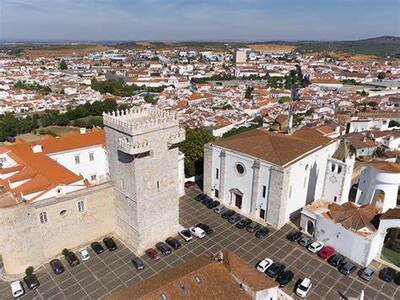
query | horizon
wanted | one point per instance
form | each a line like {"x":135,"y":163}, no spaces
{"x":197,"y":21}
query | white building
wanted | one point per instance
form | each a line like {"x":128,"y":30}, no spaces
{"x":268,"y":176}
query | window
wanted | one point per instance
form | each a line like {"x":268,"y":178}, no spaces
{"x":43,"y":217}
{"x":63,"y":212}
{"x":264,"y":191}
{"x":216,"y":193}
{"x":334,"y":199}
{"x":77,"y":159}
{"x":262,"y":213}
{"x":158,"y":186}
{"x":81,"y":206}
{"x":93,"y":177}
{"x":240,"y":168}
{"x":91,"y":156}
{"x":333,"y":167}
{"x":339,"y":170}
{"x":216,"y":173}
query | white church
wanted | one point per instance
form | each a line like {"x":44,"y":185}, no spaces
{"x":271,"y":177}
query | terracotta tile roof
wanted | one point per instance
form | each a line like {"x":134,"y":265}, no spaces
{"x":386,"y":166}
{"x":393,"y":213}
{"x":277,"y":148}
{"x":200,"y":278}
{"x":352,"y":216}
{"x":359,"y":140}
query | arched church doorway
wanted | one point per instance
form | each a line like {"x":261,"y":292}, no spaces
{"x":310,"y":227}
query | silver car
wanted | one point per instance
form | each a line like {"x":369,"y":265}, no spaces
{"x":219,"y":209}
{"x":305,"y":241}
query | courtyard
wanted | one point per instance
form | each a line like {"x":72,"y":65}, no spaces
{"x":109,"y":271}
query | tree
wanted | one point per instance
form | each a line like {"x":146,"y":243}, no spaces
{"x":192,"y":147}
{"x":381,"y":75}
{"x":63,"y":65}
{"x":248,"y":94}
{"x":29,"y":271}
{"x":284,"y":99}
{"x":394,"y":123}
{"x":149,"y":98}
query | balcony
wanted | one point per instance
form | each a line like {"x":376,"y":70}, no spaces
{"x":133,"y":148}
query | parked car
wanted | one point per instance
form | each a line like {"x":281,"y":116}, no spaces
{"x":84,"y":254}
{"x":174,"y":243}
{"x":110,"y":244}
{"x":262,"y":232}
{"x":347,"y":268}
{"x":294,"y":236}
{"x":304,"y":287}
{"x":152,"y":254}
{"x":315,"y":247}
{"x":189,"y":184}
{"x":31,"y":281}
{"x":234,"y":218}
{"x":387,"y":274}
{"x":57,"y":266}
{"x":366,"y":273}
{"x":17,"y":289}
{"x":164,"y":248}
{"x":275,"y":269}
{"x":207,"y":201}
{"x":228,"y":213}
{"x":253,"y":227}
{"x":71,"y":258}
{"x":305,"y":241}
{"x":137,"y":263}
{"x":336,"y":260}
{"x":219,"y":209}
{"x":326,"y":252}
{"x":197,"y":232}
{"x":213,"y":204}
{"x":200,"y":197}
{"x":243,"y":223}
{"x":97,"y":247}
{"x":396,"y":278}
{"x":284,"y":278}
{"x":263,"y":265}
{"x":186,"y":235}
{"x":205,"y":227}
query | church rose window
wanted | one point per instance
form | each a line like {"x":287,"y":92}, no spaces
{"x":240,"y":168}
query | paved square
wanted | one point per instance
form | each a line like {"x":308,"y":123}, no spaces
{"x":109,"y":271}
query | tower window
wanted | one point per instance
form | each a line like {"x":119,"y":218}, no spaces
{"x":264,"y":191}
{"x":91,"y":156}
{"x":77,"y":159}
{"x":43,"y":217}
{"x":158,"y":185}
{"x":216,"y":173}
{"x":339,"y":170}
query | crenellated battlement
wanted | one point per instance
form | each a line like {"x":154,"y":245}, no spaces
{"x":138,"y":120}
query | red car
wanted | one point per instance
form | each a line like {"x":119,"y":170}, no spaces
{"x":152,"y":254}
{"x":326,"y":252}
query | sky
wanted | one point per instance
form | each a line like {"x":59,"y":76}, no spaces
{"x":191,"y":20}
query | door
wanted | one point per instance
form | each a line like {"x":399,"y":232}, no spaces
{"x":238,"y":201}
{"x":262,"y":213}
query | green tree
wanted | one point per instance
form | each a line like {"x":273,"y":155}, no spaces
{"x":381,"y":75}
{"x":192,"y":147}
{"x":149,"y":98}
{"x":248,"y":94}
{"x":63,"y":65}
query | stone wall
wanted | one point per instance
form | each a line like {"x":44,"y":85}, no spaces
{"x":24,"y":241}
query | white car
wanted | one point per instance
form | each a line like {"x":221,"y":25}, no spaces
{"x":264,"y":264}
{"x":316,"y":247}
{"x":186,"y":235}
{"x":84,"y":254}
{"x":197,"y":232}
{"x":17,"y":289}
{"x":303,"y":289}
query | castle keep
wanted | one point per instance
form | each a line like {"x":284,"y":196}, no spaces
{"x":130,"y":177}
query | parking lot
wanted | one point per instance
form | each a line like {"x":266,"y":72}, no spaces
{"x":109,"y":271}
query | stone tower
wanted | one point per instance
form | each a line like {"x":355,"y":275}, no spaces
{"x":142,"y":149}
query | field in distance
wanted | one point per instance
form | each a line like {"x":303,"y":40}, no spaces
{"x":272,"y":48}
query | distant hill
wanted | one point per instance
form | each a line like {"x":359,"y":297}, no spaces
{"x":379,"y":46}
